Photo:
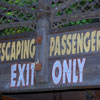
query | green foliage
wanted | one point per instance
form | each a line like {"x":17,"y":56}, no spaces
{"x":53,"y":4}
{"x":82,"y":2}
{"x":78,"y":6}
{"x":13,"y":31}
{"x":18,"y":14}
{"x":74,"y":5}
{"x":69,"y":11}
{"x":80,"y":22}
{"x":9,"y":13}
{"x":59,"y":13}
{"x":21,"y":2}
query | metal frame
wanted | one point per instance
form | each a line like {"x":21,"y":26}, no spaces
{"x":45,"y":7}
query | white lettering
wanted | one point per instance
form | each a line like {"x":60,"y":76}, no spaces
{"x":57,"y":78}
{"x":32,"y":73}
{"x":27,"y":77}
{"x":67,"y":71}
{"x":21,"y":75}
{"x":13,"y":75}
{"x":26,"y":71}
{"x":71,"y":71}
{"x":81,"y":66}
{"x":75,"y":77}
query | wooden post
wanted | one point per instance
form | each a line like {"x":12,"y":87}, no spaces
{"x":43,"y":27}
{"x":0,"y":96}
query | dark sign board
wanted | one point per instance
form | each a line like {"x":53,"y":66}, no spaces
{"x":17,"y":50}
{"x":16,"y":62}
{"x":74,"y":58}
{"x":73,"y":62}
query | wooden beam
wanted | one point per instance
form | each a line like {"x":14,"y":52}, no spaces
{"x":0,"y":96}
